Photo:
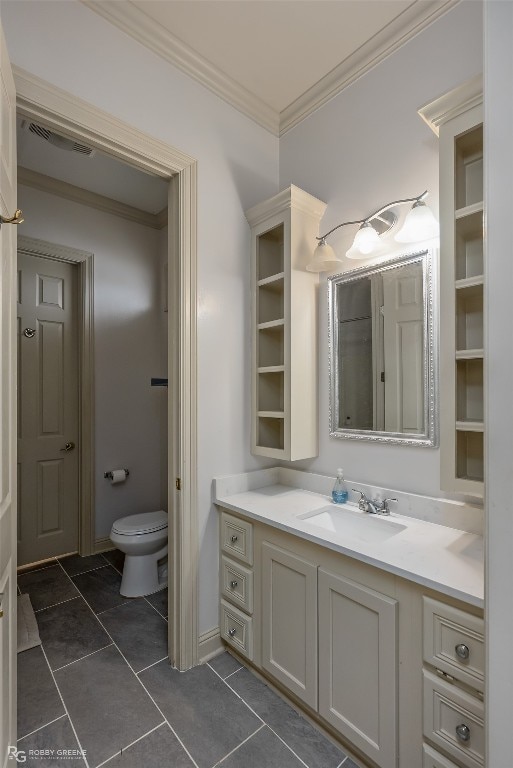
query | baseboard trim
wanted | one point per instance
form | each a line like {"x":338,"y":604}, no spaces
{"x":102,"y":545}
{"x":209,"y":645}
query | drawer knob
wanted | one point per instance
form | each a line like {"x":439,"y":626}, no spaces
{"x":462,"y":651}
{"x":232,"y":632}
{"x":234,"y":538}
{"x":234,"y":584}
{"x":463,"y":733}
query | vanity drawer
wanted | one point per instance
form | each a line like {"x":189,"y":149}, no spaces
{"x":237,"y":538}
{"x":433,"y":759}
{"x":454,"y":642}
{"x":237,"y":629}
{"x":453,"y":720}
{"x":237,"y":584}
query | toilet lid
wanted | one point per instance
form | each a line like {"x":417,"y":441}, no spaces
{"x":147,"y":522}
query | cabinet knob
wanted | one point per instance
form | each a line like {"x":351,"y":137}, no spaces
{"x":234,"y":584}
{"x":234,"y":539}
{"x":232,"y":631}
{"x":463,"y":733}
{"x":462,"y":651}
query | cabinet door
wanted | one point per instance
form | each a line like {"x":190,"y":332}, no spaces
{"x":358,"y":688}
{"x":289,"y":621}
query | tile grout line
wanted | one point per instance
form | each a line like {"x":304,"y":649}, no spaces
{"x":138,"y":680}
{"x":232,"y":673}
{"x":240,"y":697}
{"x":112,"y":566}
{"x":65,"y":666}
{"x":221,"y":761}
{"x":164,"y":658}
{"x":89,"y":570}
{"x":41,"y":727}
{"x":36,"y":570}
{"x":54,"y":605}
{"x":123,"y":749}
{"x":84,"y":758}
{"x":266,"y":723}
{"x":155,"y":609}
{"x":100,"y":613}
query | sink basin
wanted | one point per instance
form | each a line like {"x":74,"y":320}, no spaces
{"x":353,"y":524}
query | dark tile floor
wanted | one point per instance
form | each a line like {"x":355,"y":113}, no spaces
{"x":101,"y":687}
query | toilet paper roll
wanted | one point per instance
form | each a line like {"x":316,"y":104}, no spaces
{"x":118,"y":476}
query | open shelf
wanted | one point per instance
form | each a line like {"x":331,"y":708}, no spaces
{"x":469,"y":318}
{"x":270,"y":432}
{"x":470,"y":455}
{"x":469,"y":245}
{"x":270,"y":254}
{"x":271,"y":391}
{"x":270,"y":301}
{"x":270,"y":346}
{"x":469,"y":167}
{"x":469,"y":390}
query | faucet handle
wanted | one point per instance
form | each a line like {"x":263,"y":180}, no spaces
{"x":385,"y":509}
{"x":363,"y":501}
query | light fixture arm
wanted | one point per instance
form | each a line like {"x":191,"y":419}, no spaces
{"x":376,"y":214}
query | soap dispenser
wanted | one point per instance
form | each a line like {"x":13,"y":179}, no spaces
{"x":339,"y":493}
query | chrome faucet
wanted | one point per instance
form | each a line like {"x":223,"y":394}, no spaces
{"x":373,"y":506}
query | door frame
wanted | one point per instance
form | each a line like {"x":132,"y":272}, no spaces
{"x":85,"y":296}
{"x":70,"y":116}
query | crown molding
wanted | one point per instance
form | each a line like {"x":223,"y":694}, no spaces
{"x":29,"y":178}
{"x":145,"y":30}
{"x":452,"y":104}
{"x":149,"y":33}
{"x":398,"y":32}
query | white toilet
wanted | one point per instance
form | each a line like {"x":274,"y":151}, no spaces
{"x":143,"y":539}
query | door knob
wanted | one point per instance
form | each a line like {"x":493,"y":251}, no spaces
{"x":68,"y":447}
{"x":29,"y":332}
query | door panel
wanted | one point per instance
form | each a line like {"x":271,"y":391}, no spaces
{"x":358,"y":688}
{"x":7,"y":407}
{"x":289,"y":628}
{"x":48,"y":408}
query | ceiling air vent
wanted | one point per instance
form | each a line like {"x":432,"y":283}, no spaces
{"x":60,"y":141}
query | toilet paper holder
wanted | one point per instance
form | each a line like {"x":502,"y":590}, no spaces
{"x":108,"y":475}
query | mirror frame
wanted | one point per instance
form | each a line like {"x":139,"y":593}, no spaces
{"x":429,"y":438}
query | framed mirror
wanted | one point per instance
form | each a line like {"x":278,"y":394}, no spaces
{"x":383,"y":352}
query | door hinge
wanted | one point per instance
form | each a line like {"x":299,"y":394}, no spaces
{"x":178,"y":484}
{"x":382,"y":376}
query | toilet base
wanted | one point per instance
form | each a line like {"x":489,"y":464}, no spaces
{"x":141,"y":575}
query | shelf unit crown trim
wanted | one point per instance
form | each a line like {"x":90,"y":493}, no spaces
{"x":292,"y":197}
{"x":452,"y":104}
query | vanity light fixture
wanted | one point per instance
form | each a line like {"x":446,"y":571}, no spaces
{"x":420,"y":224}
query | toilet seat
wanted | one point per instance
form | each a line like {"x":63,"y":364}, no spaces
{"x":137,"y":525}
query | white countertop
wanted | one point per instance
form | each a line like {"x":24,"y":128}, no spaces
{"x":445,"y":559}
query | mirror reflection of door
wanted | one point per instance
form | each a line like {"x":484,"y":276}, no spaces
{"x":47,"y":408}
{"x":403,"y":349}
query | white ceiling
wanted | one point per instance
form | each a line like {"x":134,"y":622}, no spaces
{"x":275,"y":60}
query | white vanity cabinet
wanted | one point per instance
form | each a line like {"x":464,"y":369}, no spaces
{"x":381,"y":663}
{"x":284,"y":420}
{"x":457,"y":118}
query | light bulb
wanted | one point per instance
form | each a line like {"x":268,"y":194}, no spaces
{"x":365,"y":241}
{"x":419,"y":224}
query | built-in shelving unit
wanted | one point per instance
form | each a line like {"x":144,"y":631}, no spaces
{"x":284,"y":380}
{"x":458,"y":120}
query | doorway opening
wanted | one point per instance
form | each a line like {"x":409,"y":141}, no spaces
{"x":58,"y":111}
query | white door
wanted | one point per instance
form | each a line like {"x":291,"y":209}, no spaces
{"x":7,"y":407}
{"x":403,"y":343}
{"x":47,"y":408}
